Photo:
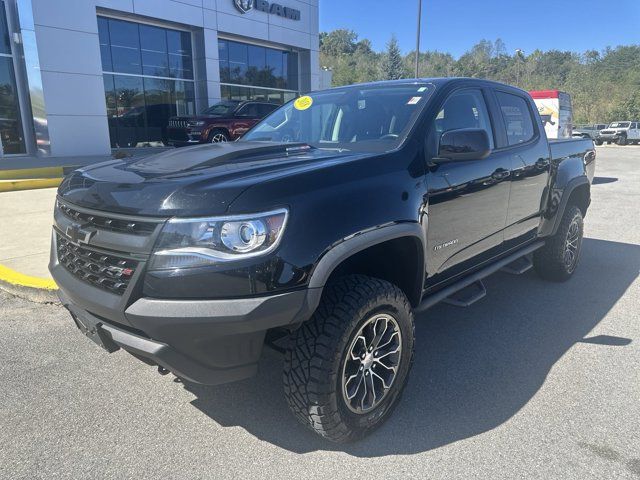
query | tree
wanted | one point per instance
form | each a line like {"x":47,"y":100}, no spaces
{"x":605,"y":86}
{"x":392,"y":64}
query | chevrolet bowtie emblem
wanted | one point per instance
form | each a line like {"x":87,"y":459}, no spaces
{"x":77,"y":234}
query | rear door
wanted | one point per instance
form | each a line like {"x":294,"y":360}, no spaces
{"x":523,"y":140}
{"x":467,"y":199}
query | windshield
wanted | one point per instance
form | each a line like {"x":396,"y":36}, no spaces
{"x":619,"y":125}
{"x":222,"y":108}
{"x":366,"y":118}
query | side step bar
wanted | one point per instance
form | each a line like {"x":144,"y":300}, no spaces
{"x":467,"y":296}
{"x":520,"y":266}
{"x":446,"y":292}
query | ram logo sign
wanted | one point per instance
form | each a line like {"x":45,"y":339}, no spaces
{"x":243,"y":5}
{"x":264,"y":6}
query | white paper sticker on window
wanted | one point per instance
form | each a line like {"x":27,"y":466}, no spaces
{"x":413,"y":100}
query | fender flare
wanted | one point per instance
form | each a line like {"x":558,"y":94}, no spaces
{"x":349,"y":246}
{"x":566,"y":194}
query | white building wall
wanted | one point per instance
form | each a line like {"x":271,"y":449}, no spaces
{"x":69,"y":51}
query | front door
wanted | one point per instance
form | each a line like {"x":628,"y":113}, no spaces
{"x":467,"y":199}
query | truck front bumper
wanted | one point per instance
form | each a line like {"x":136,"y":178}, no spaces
{"x":609,"y":137}
{"x":203,"y":341}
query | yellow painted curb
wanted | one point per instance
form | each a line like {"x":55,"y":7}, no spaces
{"x":28,"y":184}
{"x":40,"y":172}
{"x":22,"y":280}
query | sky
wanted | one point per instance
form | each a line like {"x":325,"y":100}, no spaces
{"x":456,"y":25}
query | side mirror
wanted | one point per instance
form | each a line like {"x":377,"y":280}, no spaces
{"x":463,"y":144}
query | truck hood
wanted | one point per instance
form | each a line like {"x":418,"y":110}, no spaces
{"x":193,"y":181}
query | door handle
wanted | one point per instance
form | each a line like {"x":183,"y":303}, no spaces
{"x":500,"y":174}
{"x":542,"y":163}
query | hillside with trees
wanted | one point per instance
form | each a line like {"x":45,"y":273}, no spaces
{"x":605,"y":85}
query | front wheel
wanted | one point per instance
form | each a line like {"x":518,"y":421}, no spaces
{"x":622,"y":140}
{"x":346,"y":367}
{"x":218,"y":136}
{"x":598,"y":142}
{"x":559,"y":257}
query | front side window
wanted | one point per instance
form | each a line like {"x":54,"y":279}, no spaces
{"x":372,"y":119}
{"x":221,"y":109}
{"x":517,"y":118}
{"x":464,"y":109}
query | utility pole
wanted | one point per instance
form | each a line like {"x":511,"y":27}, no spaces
{"x":418,"y":36}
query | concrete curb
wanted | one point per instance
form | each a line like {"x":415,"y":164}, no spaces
{"x":32,"y":178}
{"x":40,"y":290}
{"x":30,"y":173}
{"x":28,"y":184}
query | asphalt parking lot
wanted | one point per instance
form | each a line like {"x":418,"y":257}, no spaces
{"x":538,"y":380}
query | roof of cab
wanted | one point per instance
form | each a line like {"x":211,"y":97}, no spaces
{"x":436,"y":81}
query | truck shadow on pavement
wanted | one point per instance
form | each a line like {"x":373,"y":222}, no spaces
{"x":474,"y":368}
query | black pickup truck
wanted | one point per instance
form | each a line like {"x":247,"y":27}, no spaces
{"x":320,"y":232}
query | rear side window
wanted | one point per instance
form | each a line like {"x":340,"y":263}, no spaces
{"x":517,"y":118}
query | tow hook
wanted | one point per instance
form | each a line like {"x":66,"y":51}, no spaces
{"x":162,"y":370}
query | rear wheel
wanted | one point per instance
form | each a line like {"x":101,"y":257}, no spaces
{"x":218,"y":136}
{"x":559,"y":257}
{"x":346,"y":367}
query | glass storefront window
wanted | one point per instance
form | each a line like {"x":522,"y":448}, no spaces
{"x":159,"y":83}
{"x":233,"y":92}
{"x":5,"y":45}
{"x":11,"y":133}
{"x":257,"y":66}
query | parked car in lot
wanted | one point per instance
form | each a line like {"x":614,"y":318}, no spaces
{"x":621,"y":133}
{"x":223,"y":122}
{"x":321,"y":232}
{"x":588,"y":131}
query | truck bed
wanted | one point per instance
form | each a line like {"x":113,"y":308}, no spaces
{"x":563,"y":148}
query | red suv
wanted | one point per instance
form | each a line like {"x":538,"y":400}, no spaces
{"x":222,"y":122}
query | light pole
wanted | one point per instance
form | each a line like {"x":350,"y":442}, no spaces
{"x":418,"y":36}
{"x":519,"y":60}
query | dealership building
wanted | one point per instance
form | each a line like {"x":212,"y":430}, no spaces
{"x":83,"y":77}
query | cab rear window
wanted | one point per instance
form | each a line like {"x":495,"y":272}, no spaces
{"x":517,"y":118}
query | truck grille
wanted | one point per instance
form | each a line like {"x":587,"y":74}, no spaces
{"x":107,"y":272}
{"x":106,"y":223}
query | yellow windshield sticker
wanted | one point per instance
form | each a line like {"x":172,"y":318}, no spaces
{"x":302,"y":103}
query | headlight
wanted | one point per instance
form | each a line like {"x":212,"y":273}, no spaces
{"x":198,"y":123}
{"x":196,"y":242}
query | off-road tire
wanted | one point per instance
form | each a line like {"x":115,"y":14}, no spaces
{"x":314,"y":360}
{"x":622,"y":140}
{"x":598,"y":142}
{"x":550,"y":261}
